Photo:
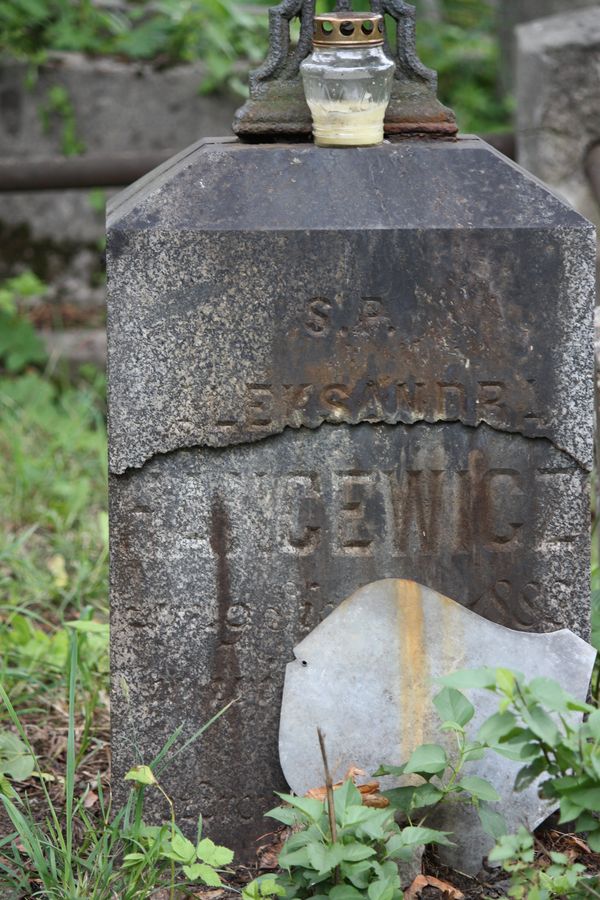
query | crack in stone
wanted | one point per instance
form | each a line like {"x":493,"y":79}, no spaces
{"x":246,"y":441}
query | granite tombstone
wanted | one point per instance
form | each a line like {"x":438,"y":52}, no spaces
{"x":326,"y":368}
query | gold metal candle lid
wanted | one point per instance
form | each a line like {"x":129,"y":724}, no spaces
{"x":347,"y":29}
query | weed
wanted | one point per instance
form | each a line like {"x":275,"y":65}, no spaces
{"x":116,"y":855}
{"x":59,"y":108}
{"x":360,"y":859}
{"x":19,"y":344}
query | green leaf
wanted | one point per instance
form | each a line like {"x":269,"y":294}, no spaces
{"x":497,"y":727}
{"x":141,"y":775}
{"x":480,"y":788}
{"x":428,"y":759}
{"x":453,"y":706}
{"x":289,"y":858}
{"x":345,"y":892}
{"x":308,"y":806}
{"x":213,"y":854}
{"x":382,"y":889}
{"x":396,"y":771}
{"x":413,"y":836}
{"x":541,"y":724}
{"x":15,"y":759}
{"x":587,"y":798}
{"x":344,"y":797}
{"x":356,"y":852}
{"x":359,"y":873}
{"x":401,"y":798}
{"x":426,"y":795}
{"x":528,"y":774}
{"x":181,"y":848}
{"x":6,"y":788}
{"x":376,"y":825}
{"x":324,"y":857}
{"x":593,"y":839}
{"x":285,"y":814}
{"x":201,"y":872}
{"x":568,"y":809}
{"x":492,"y":822}
{"x":89,"y":626}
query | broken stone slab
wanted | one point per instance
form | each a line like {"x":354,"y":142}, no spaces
{"x":367,"y":675}
{"x":241,"y":303}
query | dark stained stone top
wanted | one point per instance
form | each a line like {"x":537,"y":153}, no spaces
{"x":227,"y":185}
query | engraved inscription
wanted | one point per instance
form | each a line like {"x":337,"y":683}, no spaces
{"x":403,"y":399}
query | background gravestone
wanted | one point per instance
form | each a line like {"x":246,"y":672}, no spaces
{"x":512,"y":13}
{"x":327,"y":368}
{"x":558,"y":114}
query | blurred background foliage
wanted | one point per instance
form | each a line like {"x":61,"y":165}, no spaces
{"x":458,"y":38}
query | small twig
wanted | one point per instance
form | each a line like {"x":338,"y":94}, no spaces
{"x":330,"y":800}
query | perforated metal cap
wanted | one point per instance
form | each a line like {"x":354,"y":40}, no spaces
{"x":347,"y":28}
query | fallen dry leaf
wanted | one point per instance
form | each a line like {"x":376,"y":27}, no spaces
{"x":369,"y":791}
{"x":422,"y":881}
{"x":572,"y":841}
{"x":90,"y":799}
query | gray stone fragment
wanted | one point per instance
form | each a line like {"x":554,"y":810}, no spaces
{"x":558,"y":113}
{"x":512,"y":13}
{"x":367,"y":674}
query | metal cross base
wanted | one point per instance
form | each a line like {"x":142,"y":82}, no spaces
{"x":277,"y":108}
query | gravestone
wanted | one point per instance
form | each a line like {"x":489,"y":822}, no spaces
{"x":558,"y":114}
{"x":329,"y":367}
{"x":367,"y":676}
{"x":512,"y":13}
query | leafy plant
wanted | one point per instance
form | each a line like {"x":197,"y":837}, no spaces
{"x":558,"y":877}
{"x":231,"y":35}
{"x":443,"y":779}
{"x":539,"y":725}
{"x":58,"y":107}
{"x":16,"y":763}
{"x":19,"y":344}
{"x":118,"y":855}
{"x":360,"y":859}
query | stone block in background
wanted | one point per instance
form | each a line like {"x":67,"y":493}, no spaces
{"x":512,"y":13}
{"x":117,"y":107}
{"x":367,"y":676}
{"x":313,"y":386}
{"x":558,"y":103}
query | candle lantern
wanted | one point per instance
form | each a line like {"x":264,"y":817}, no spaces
{"x":348,"y":80}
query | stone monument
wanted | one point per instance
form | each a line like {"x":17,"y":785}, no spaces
{"x":558,"y":114}
{"x":329,"y":367}
{"x":512,"y":13}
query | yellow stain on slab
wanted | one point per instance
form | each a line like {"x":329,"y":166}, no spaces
{"x":414,"y":671}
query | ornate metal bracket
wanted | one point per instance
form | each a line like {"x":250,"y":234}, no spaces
{"x":277,"y":108}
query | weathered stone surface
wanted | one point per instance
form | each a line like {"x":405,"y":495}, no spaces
{"x":326,"y":368}
{"x":512,"y":13}
{"x":558,"y":114}
{"x":223,"y":559}
{"x":367,"y":676}
{"x":265,"y":287}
